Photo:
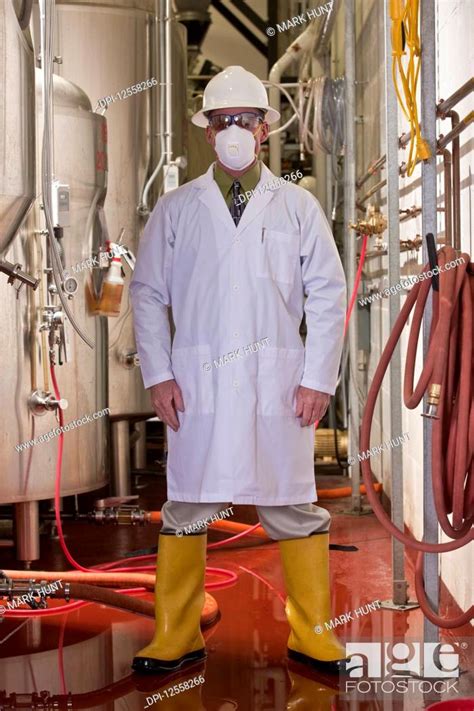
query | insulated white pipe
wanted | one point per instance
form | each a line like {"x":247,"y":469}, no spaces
{"x":294,"y":51}
{"x":307,"y":39}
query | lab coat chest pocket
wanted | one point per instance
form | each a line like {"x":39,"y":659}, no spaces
{"x":193,"y":372}
{"x":280,"y":371}
{"x":277,"y":255}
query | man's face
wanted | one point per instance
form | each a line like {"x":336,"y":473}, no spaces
{"x":260,"y":134}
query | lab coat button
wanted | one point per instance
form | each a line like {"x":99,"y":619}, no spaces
{"x":235,"y":287}
{"x":235,"y":383}
{"x":236,"y":334}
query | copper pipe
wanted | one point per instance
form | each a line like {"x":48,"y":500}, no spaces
{"x":446,"y":104}
{"x":378,"y":164}
{"x":371,"y":170}
{"x":448,"y":201}
{"x":463,"y":123}
{"x":373,"y":190}
{"x":443,"y":111}
{"x":409,"y":213}
{"x":454,"y":116}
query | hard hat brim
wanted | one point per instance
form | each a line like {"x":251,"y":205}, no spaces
{"x":200,"y":119}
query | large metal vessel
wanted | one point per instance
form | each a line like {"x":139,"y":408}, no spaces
{"x":29,"y":475}
{"x":106,"y":48}
{"x":17,"y":125}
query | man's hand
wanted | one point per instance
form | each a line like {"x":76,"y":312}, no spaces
{"x":310,"y":405}
{"x":166,"y":398}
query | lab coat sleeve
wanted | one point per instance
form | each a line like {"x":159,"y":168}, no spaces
{"x":325,"y":286}
{"x":150,"y":297}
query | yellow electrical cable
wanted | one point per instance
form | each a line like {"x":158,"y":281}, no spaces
{"x":404,"y":18}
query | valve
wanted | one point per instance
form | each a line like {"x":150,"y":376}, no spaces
{"x":116,"y":510}
{"x":15,"y":273}
{"x":374,"y":223}
{"x":129,"y":359}
{"x":41,"y":402}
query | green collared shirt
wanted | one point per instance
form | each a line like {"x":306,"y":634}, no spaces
{"x":248,"y":181}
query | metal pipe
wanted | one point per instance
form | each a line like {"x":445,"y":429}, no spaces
{"x":448,"y":208}
{"x":371,"y":170}
{"x":399,"y":581}
{"x":27,"y":531}
{"x":378,"y":164}
{"x":328,"y":25}
{"x":454,"y":116}
{"x":294,"y":51}
{"x":373,"y":190}
{"x":139,"y":449}
{"x":429,"y":215}
{"x":15,"y":272}
{"x":143,"y":208}
{"x":307,"y":40}
{"x":410,"y":212}
{"x":349,"y":217}
{"x":121,"y":458}
{"x":447,"y":104}
{"x":463,"y":123}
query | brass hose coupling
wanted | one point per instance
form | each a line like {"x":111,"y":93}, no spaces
{"x":434,"y":394}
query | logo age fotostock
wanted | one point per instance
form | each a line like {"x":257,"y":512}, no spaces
{"x":376,"y":668}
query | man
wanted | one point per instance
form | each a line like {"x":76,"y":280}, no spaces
{"x":238,"y":390}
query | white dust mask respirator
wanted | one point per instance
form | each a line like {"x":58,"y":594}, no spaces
{"x":235,"y":147}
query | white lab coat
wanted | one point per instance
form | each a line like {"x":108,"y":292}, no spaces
{"x":239,"y":290}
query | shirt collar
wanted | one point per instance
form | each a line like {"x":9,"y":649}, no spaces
{"x":247,"y":180}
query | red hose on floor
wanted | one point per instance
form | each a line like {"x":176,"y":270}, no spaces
{"x":449,"y":363}
{"x":231,"y":577}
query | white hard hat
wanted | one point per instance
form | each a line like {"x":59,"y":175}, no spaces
{"x":232,"y":88}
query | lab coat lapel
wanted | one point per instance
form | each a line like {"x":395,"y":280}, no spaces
{"x":211,"y":196}
{"x":259,"y":200}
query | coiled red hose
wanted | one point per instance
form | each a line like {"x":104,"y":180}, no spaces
{"x":449,"y":363}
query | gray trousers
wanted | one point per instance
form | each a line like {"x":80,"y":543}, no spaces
{"x":279,"y":522}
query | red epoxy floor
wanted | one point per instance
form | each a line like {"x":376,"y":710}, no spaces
{"x":81,"y":660}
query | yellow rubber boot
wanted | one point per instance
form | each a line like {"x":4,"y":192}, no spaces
{"x":309,"y":694}
{"x":308,"y":606}
{"x":179,"y":600}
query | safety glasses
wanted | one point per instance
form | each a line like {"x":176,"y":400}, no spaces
{"x":246,"y":119}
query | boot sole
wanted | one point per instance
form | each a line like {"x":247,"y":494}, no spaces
{"x":149,"y":665}
{"x":337,"y":666}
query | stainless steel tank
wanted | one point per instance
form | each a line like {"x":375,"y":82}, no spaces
{"x":29,"y":475}
{"x":106,"y":48}
{"x":17,"y":125}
